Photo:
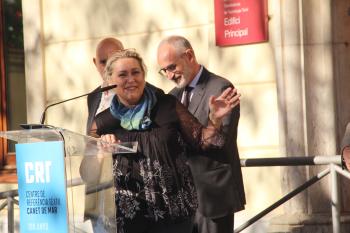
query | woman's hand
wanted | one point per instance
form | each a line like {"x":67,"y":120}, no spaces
{"x":90,"y":167}
{"x":109,"y":138}
{"x":222,"y":105}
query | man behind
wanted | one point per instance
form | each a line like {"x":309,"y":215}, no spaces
{"x":217,"y":174}
{"x":97,"y":103}
{"x":100,"y":101}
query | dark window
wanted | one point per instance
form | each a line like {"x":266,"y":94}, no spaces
{"x":13,"y":92}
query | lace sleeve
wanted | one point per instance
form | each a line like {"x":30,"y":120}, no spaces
{"x":195,"y":134}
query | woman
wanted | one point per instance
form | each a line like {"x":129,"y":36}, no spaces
{"x":154,"y":188}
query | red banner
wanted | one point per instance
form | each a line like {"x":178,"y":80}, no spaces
{"x":240,"y":22}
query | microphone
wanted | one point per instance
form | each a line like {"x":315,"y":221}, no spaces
{"x":103,"y":89}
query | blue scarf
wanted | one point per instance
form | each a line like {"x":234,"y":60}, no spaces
{"x":137,"y":117}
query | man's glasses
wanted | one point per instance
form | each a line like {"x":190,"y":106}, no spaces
{"x":169,"y":68}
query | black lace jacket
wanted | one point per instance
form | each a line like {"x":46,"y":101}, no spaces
{"x":156,"y":181}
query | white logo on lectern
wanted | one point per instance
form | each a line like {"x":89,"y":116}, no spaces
{"x":37,"y":172}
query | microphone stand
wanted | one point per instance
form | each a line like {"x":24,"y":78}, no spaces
{"x":43,"y":115}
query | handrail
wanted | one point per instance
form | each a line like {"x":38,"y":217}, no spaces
{"x":9,"y":193}
{"x":332,"y":161}
{"x":291,"y":161}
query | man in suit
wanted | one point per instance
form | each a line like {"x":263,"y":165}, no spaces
{"x":345,"y":148}
{"x":217,"y":175}
{"x":100,"y":101}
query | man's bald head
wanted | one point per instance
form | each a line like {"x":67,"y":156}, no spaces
{"x":104,"y":50}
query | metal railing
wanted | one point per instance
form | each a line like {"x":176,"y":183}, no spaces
{"x":333,"y":169}
{"x":332,"y":161}
{"x":10,"y":201}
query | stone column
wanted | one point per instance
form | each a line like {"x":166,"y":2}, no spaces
{"x":319,"y":93}
{"x":341,"y":61}
{"x":286,"y":39}
{"x":302,"y":40}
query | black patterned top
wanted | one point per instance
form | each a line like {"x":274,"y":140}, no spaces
{"x":156,"y":181}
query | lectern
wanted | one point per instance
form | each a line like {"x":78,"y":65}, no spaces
{"x":65,"y":180}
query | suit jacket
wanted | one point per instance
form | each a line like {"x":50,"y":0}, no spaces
{"x":217,"y":173}
{"x":93,"y":102}
{"x":346,"y":138}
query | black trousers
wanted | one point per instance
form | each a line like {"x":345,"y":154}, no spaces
{"x":141,"y":224}
{"x":213,"y":225}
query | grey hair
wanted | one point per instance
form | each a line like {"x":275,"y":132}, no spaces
{"x":180,"y":43}
{"x":126,"y":53}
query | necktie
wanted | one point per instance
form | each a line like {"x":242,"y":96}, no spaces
{"x":186,"y":96}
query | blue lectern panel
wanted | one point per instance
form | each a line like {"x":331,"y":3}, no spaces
{"x":42,"y":187}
